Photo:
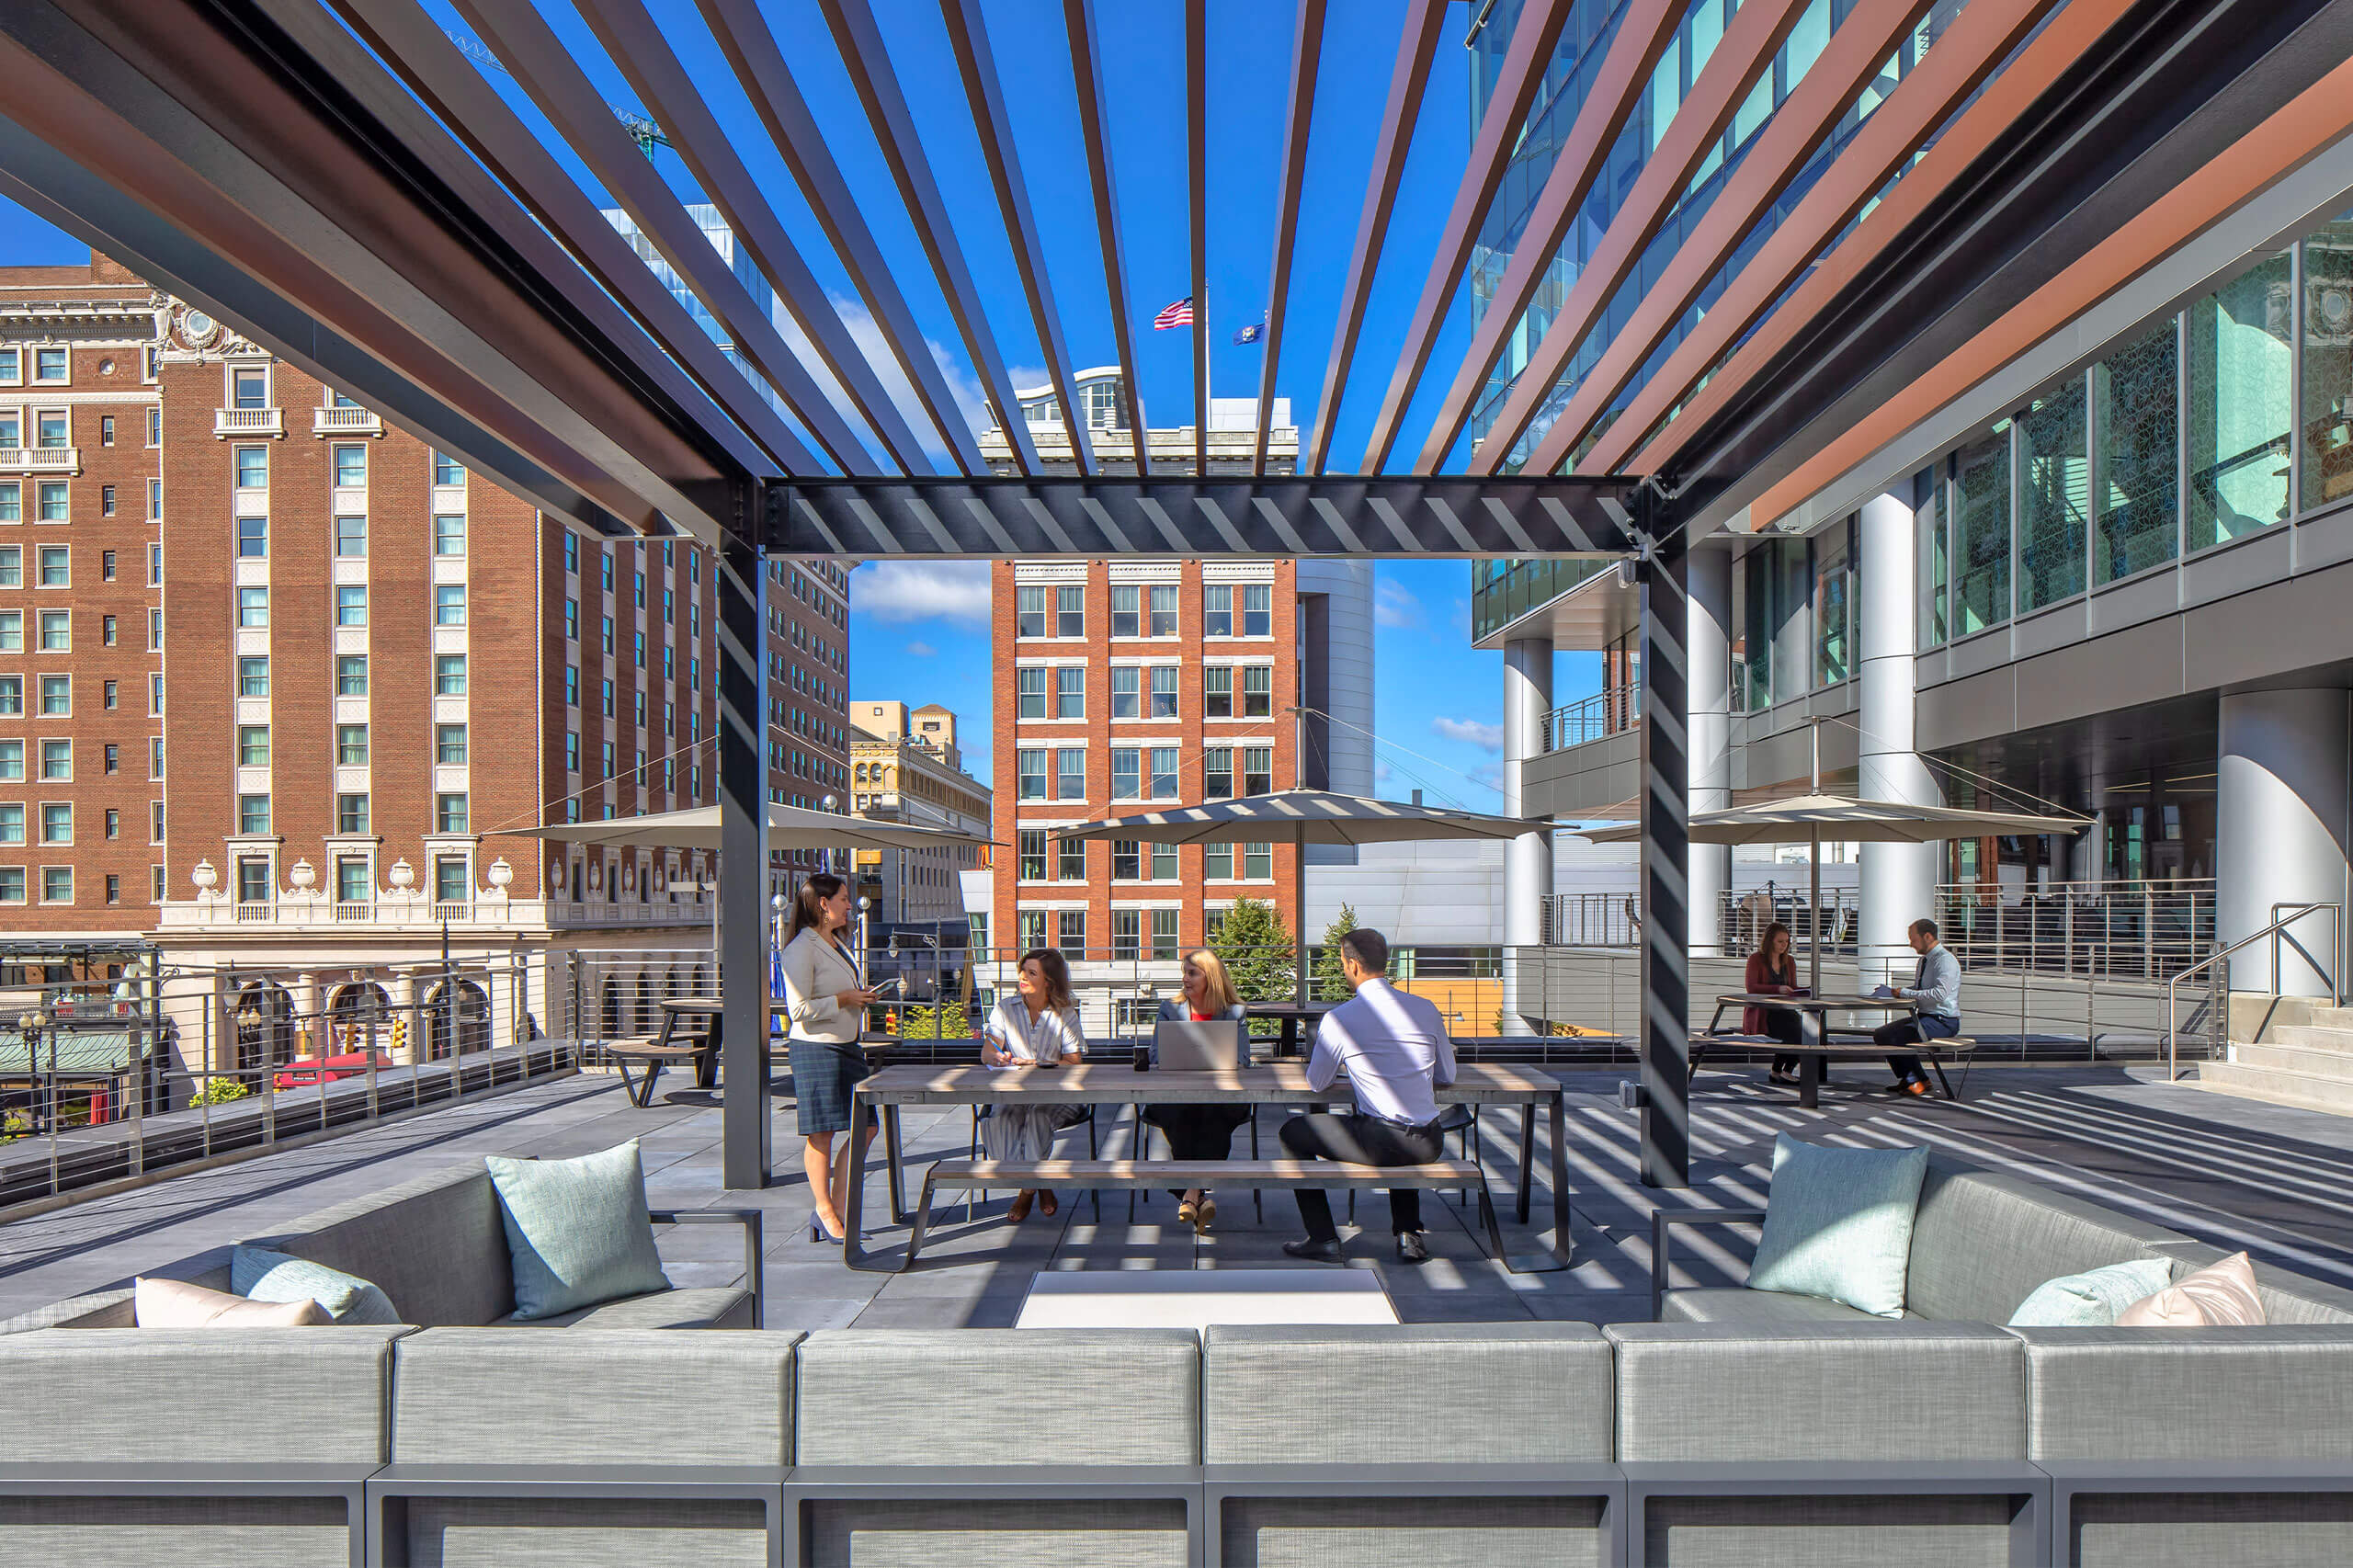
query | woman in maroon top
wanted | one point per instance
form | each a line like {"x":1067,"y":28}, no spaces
{"x":1773,"y":971}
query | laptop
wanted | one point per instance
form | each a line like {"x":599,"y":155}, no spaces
{"x":1213,"y":1046}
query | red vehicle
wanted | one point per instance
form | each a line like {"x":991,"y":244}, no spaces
{"x":305,"y":1071}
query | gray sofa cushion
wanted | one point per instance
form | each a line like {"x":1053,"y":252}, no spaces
{"x":2272,"y":1392}
{"x":2287,"y":1297}
{"x":715,"y":1306}
{"x":198,"y":1395}
{"x":1731,"y":1303}
{"x":996,"y":1396}
{"x":498,"y":1397}
{"x":1982,"y":1240}
{"x":1483,"y":1394}
{"x":1872,"y":1390}
{"x":434,"y":1245}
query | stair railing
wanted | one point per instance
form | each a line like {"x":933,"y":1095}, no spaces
{"x":2271,"y":933}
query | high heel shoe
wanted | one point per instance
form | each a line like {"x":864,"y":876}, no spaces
{"x":1048,"y":1204}
{"x":820,"y":1235}
{"x":1019,"y":1210}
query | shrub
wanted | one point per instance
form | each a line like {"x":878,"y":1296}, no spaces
{"x":218,"y":1091}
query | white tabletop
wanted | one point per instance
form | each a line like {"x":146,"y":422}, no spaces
{"x":1197,"y":1298}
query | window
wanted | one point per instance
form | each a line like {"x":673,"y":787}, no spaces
{"x":12,"y":759}
{"x":49,"y":364}
{"x":1163,"y":862}
{"x":1217,"y":862}
{"x":637,"y":638}
{"x":351,"y":746}
{"x":1258,"y":691}
{"x":1070,"y":774}
{"x":1127,"y":773}
{"x":1030,"y":924}
{"x":107,"y":689}
{"x":1031,"y":844}
{"x":155,"y":500}
{"x":1164,"y":772}
{"x":1069,"y":860}
{"x":450,"y":879}
{"x":350,"y":675}
{"x":2054,"y":478}
{"x":351,"y":535}
{"x":106,"y":638}
{"x":1124,"y":701}
{"x":105,"y":566}
{"x":1070,"y":612}
{"x":1164,"y":610}
{"x":1217,"y":773}
{"x":155,"y":427}
{"x":252,"y":815}
{"x":351,"y":603}
{"x":351,"y":877}
{"x":251,"y":465}
{"x":606,"y":695}
{"x":351,"y":466}
{"x":154,"y":692}
{"x":1217,"y":611}
{"x":609,"y":634}
{"x":106,"y":430}
{"x":2136,"y":394}
{"x":1127,"y":933}
{"x":12,"y":367}
{"x":1029,"y":771}
{"x":570,"y":552}
{"x":2241,"y":379}
{"x":447,"y":470}
{"x":1258,"y":862}
{"x":1070,"y":931}
{"x":12,"y":631}
{"x":351,"y":813}
{"x":56,"y":566}
{"x":252,"y":537}
{"x":12,"y":884}
{"x":571,"y":686}
{"x":12,"y":695}
{"x":450,"y":533}
{"x":450,"y":813}
{"x":450,"y":744}
{"x":253,"y":745}
{"x":249,"y":389}
{"x":1125,"y":622}
{"x":449,"y":605}
{"x":156,"y":760}
{"x":605,"y":570}
{"x":12,"y":824}
{"x":2327,"y":445}
{"x":12,"y":503}
{"x":639,"y":590}
{"x":54,"y":430}
{"x":1257,"y":609}
{"x":572,"y":619}
{"x":12,"y":567}
{"x":56,"y":822}
{"x":253,"y":607}
{"x":1257,"y":770}
{"x":253,"y":878}
{"x":1127,"y":861}
{"x":155,"y":567}
{"x":1164,"y":933}
{"x":57,"y":631}
{"x":1070,"y":692}
{"x":114,"y":822}
{"x":52,"y":501}
{"x":1217,"y":691}
{"x":106,"y":500}
{"x":572,"y":751}
{"x":450,"y":675}
{"x":57,"y":695}
{"x":1981,"y":532}
{"x":1164,"y":691}
{"x":57,"y":884}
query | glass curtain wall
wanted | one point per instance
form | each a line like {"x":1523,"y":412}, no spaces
{"x":2137,"y":394}
{"x":2328,"y":364}
{"x":2054,"y":477}
{"x":1774,"y":643}
{"x":2241,"y":396}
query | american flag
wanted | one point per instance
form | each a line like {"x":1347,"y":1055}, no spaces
{"x":1179,"y":314}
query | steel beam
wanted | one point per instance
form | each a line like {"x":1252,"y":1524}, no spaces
{"x":860,"y":42}
{"x":968,"y":34}
{"x":1662,"y":570}
{"x":1087,"y":76}
{"x":1425,"y":19}
{"x":1307,"y":55}
{"x":1196,"y":519}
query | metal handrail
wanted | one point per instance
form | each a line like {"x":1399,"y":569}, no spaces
{"x":2271,"y":932}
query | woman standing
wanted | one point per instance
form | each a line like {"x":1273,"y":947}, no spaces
{"x":1201,"y":1132}
{"x":1036,"y":1026}
{"x":1773,"y":971}
{"x":826,"y":999}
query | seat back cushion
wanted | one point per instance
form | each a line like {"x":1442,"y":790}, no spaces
{"x":1983,"y":1241}
{"x":435,"y":1245}
{"x":1838,"y":1223}
{"x":2239,"y":1394}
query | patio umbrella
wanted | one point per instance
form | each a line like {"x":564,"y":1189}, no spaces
{"x":1812,"y":817}
{"x":1305,"y":817}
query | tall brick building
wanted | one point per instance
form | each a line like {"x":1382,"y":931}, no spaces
{"x":280,"y":679}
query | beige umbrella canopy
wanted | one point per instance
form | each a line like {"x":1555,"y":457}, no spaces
{"x":1305,"y":817}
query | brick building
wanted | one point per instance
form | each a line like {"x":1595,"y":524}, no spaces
{"x":281,"y":680}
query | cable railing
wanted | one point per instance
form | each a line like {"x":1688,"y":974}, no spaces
{"x":1609,"y":711}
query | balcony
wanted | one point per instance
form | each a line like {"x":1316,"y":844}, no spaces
{"x":40,"y":460}
{"x":419,"y":912}
{"x":346,"y":422}
{"x":1609,"y":711}
{"x":268,"y":422}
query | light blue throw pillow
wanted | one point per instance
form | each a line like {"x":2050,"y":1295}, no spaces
{"x":2094,"y":1298}
{"x":578,"y":1230}
{"x":1839,"y":1224}
{"x":262,"y":1275}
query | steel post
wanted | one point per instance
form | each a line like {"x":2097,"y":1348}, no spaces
{"x":1666,"y":817}
{"x":741,"y":581}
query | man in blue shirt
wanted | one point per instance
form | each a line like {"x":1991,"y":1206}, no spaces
{"x":1936,"y":987}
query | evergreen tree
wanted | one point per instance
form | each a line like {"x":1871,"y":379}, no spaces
{"x":1325,"y":980}
{"x":1256,"y":951}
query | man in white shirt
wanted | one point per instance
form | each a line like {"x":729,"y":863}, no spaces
{"x":1395,"y":1051}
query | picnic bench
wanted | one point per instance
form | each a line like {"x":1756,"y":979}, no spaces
{"x":653,"y":1053}
{"x":1815,"y":1056}
{"x":1095,"y":1176}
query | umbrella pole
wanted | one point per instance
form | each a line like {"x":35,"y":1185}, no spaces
{"x":1813,"y":865}
{"x":1299,"y":907}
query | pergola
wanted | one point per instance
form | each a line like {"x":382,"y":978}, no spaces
{"x":339,"y":180}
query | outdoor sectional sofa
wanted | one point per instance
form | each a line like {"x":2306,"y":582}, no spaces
{"x":1756,"y":1438}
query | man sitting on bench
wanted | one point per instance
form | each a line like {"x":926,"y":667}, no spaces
{"x":1395,"y":1050}
{"x":1936,"y":987}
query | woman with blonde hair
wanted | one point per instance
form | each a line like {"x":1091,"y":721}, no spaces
{"x":1038,"y":1026}
{"x":1201,"y":1132}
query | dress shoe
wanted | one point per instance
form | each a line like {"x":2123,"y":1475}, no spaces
{"x":1314,"y":1251}
{"x":1410,"y":1248}
{"x":1204,"y":1213}
{"x":1188,"y":1212}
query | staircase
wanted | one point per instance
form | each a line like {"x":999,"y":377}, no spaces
{"x":2307,"y":1063}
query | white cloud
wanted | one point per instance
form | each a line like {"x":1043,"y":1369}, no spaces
{"x":1394,"y":605}
{"x":1487,"y":737}
{"x":922,"y":590}
{"x":922,"y":650}
{"x":1382,"y":773}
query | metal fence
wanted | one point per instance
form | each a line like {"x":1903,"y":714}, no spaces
{"x":1606,"y":712}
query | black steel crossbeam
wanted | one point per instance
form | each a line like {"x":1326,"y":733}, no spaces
{"x":1297,"y":516}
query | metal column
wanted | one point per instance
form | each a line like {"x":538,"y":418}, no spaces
{"x":1708,"y":679}
{"x":741,"y":581}
{"x":1528,"y":859}
{"x":1666,"y":972}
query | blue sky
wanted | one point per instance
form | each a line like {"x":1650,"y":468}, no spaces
{"x":923,"y":635}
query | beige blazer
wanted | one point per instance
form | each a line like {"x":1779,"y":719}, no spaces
{"x":815,"y":970}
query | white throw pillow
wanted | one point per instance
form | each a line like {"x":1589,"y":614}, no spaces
{"x":2220,"y":1295}
{"x":175,"y":1303}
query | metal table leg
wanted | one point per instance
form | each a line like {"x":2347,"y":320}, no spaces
{"x":862,"y":1117}
{"x":1810,"y":1065}
{"x":1526,"y":1157}
{"x":896,"y":1158}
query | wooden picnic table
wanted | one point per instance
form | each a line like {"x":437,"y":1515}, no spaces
{"x":1117,"y":1082}
{"x":1813,"y":1046}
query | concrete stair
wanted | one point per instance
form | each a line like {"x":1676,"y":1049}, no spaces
{"x":2305,"y":1064}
